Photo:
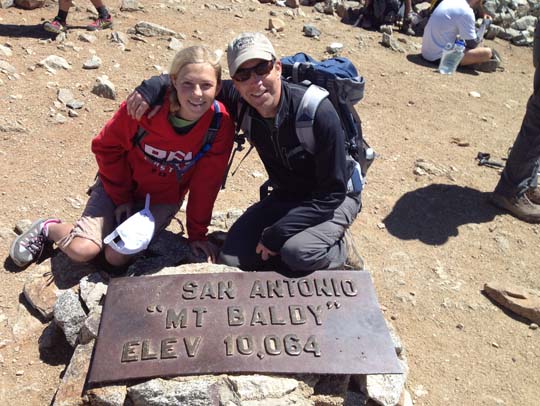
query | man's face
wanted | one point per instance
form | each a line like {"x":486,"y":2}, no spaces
{"x":259,"y":83}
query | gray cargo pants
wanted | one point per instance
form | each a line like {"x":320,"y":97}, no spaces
{"x":520,"y":172}
{"x":318,"y":247}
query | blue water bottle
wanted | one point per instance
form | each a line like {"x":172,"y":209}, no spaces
{"x":451,"y":57}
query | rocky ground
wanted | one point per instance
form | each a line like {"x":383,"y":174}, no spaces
{"x":429,"y":237}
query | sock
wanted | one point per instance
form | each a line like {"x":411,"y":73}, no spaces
{"x":102,"y":12}
{"x":45,"y":226}
{"x":62,"y":16}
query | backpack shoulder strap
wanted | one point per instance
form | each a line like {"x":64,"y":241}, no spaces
{"x":214,"y":127}
{"x":139,"y":135}
{"x":305,"y":116}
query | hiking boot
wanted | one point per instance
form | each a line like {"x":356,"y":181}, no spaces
{"x":534,"y":195}
{"x":354,"y":261}
{"x":28,"y":246}
{"x":100,"y":24}
{"x":521,"y":207}
{"x":55,"y":26}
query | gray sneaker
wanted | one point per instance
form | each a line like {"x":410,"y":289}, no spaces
{"x":521,"y":207}
{"x":28,"y":246}
{"x":354,"y":261}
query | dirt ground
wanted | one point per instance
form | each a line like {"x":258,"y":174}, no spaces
{"x":430,"y":242}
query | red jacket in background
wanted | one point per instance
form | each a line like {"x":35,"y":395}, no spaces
{"x":127,"y":175}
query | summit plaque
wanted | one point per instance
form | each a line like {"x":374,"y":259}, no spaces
{"x":328,"y":322}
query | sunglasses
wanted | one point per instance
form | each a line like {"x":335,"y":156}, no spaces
{"x":260,"y":69}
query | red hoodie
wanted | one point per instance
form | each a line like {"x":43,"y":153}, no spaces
{"x":127,"y":175}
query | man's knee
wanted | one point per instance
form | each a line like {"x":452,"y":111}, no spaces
{"x":297,"y":257}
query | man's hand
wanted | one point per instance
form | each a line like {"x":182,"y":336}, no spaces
{"x":137,"y":106}
{"x":265,"y":252}
{"x":123,"y":212}
{"x":210,"y":250}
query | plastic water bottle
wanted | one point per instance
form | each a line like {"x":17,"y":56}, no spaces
{"x":451,"y":57}
{"x":483,"y":28}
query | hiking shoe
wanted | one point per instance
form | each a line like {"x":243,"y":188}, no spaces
{"x":100,"y":24}
{"x":534,"y":195}
{"x":354,"y":261}
{"x":55,"y":26}
{"x":521,"y":207}
{"x":28,"y":246}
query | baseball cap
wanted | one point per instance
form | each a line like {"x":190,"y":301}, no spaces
{"x":135,"y":233}
{"x":247,"y":46}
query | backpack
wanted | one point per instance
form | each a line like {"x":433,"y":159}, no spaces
{"x":336,"y":79}
{"x":179,"y":166}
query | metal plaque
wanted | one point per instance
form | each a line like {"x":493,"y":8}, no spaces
{"x":326,"y":323}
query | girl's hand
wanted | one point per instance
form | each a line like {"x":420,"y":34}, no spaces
{"x":210,"y":250}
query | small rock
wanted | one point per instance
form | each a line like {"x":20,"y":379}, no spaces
{"x":119,"y":38}
{"x":153,"y":30}
{"x":174,"y":44}
{"x":60,"y":118}
{"x":69,"y":315}
{"x":42,"y":293}
{"x":104,"y":88}
{"x":19,"y":373}
{"x":334,"y":47}
{"x":75,"y":104}
{"x":22,"y":226}
{"x":474,"y":94}
{"x":90,"y":328}
{"x":168,"y":392}
{"x":129,"y":5}
{"x":311,"y":31}
{"x":29,"y":4}
{"x":93,"y":63}
{"x":92,"y":289}
{"x":276,"y":24}
{"x":72,"y":384}
{"x":6,"y":67}
{"x":84,"y":37}
{"x":533,"y":326}
{"x":522,"y":301}
{"x":53,"y":63}
{"x":419,"y":391}
{"x":64,"y":96}
{"x":5,"y":51}
{"x":389,"y":42}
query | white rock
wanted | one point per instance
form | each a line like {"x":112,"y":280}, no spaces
{"x":474,"y":94}
{"x":5,"y":51}
{"x":54,"y":62}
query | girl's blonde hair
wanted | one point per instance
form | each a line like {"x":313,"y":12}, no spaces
{"x":186,"y":56}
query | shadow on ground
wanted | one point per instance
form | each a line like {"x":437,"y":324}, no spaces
{"x":26,"y":31}
{"x":418,"y":60}
{"x":433,"y":214}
